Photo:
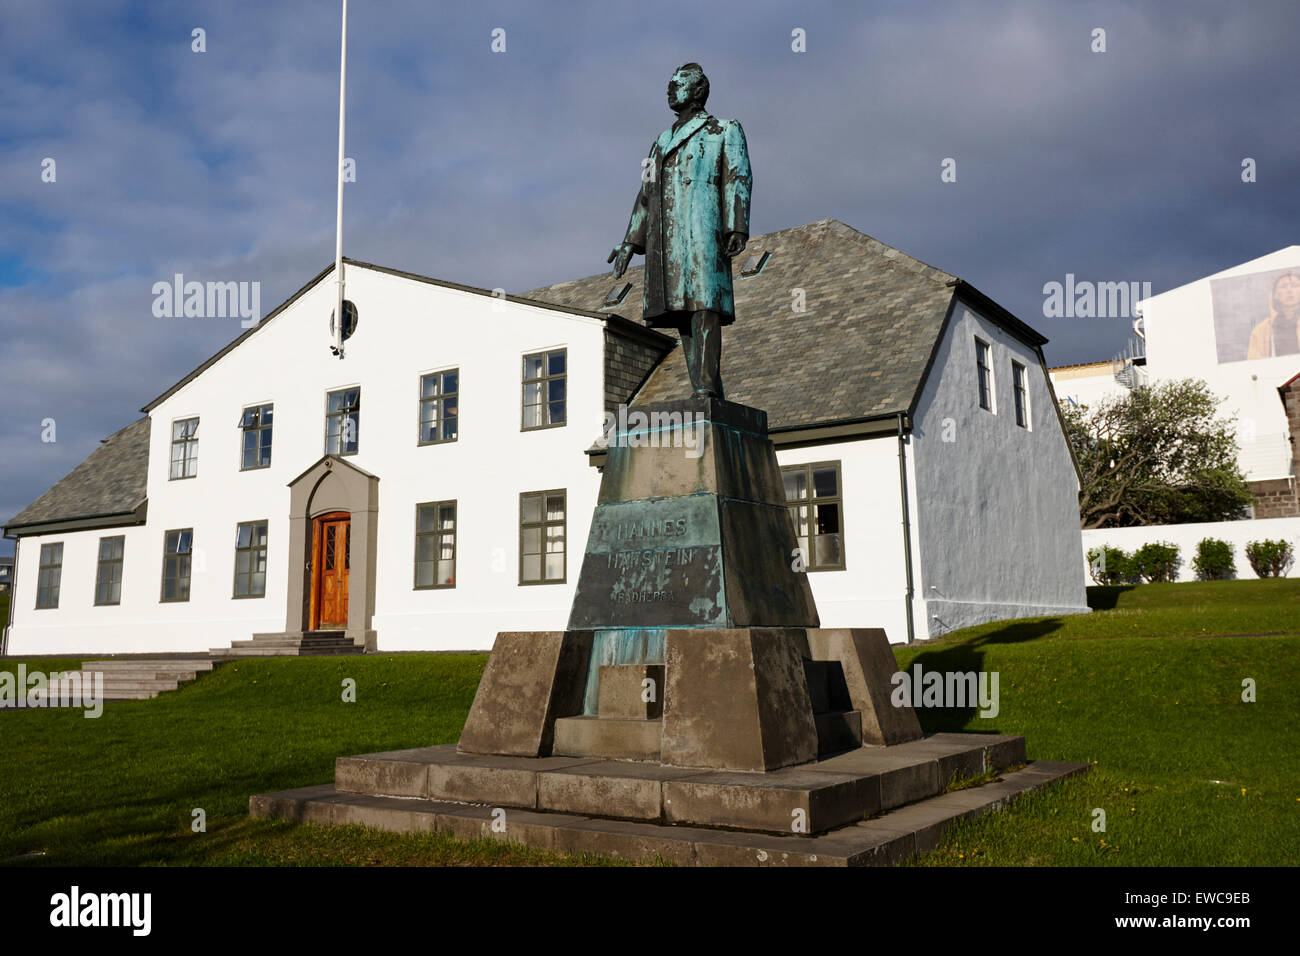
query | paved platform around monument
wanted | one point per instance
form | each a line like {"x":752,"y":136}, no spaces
{"x":887,"y":839}
{"x":868,"y":805}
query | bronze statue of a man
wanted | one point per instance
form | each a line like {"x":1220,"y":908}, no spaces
{"x":690,"y":219}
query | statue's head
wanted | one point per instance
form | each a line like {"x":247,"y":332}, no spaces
{"x":688,"y":88}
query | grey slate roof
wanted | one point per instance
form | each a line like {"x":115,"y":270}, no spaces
{"x":860,"y":350}
{"x":111,"y":481}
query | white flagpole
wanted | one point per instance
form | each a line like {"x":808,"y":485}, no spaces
{"x":339,"y":318}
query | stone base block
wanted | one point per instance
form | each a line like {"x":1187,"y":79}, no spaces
{"x":867,"y":665}
{"x":810,"y":798}
{"x":610,"y":738}
{"x":631,"y":690}
{"x":532,"y":679}
{"x":737,"y":699}
{"x":786,"y":801}
{"x":631,"y":791}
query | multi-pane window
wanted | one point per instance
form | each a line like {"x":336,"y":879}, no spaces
{"x":250,"y":559}
{"x":812,"y":493}
{"x":255,"y":423}
{"x":342,"y":421}
{"x":108,"y":578}
{"x":49,"y":575}
{"x":545,"y":384}
{"x":177,"y":552}
{"x":439,"y":406}
{"x":435,"y":545}
{"x":185,"y":448}
{"x":984,"y":371}
{"x":1022,"y":394}
{"x":541,"y":537}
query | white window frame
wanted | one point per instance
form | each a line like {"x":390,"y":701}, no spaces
{"x":1020,"y":395}
{"x":984,"y":363}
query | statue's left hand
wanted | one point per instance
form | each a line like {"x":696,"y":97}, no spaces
{"x":735,"y":244}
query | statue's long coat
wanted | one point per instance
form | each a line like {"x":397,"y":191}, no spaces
{"x":695,"y":191}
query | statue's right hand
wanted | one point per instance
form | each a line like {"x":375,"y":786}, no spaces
{"x":620,"y":255}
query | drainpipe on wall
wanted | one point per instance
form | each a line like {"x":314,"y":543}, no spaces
{"x":907,"y":526}
{"x":13,"y":594}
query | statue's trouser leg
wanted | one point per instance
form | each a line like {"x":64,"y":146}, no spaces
{"x":703,"y":348}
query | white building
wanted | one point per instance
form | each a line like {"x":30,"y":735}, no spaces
{"x":435,"y":486}
{"x":1239,"y":330}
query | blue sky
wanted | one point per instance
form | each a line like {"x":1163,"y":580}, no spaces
{"x":518,"y":169}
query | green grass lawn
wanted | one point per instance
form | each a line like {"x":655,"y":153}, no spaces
{"x":1144,"y":691}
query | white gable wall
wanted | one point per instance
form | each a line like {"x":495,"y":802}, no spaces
{"x":405,"y":328}
{"x":1181,"y":344}
{"x":998,"y":509}
{"x":871,"y":590}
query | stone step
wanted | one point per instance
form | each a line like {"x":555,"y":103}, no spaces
{"x":331,"y":643}
{"x":816,"y":796}
{"x":157,"y":686}
{"x":108,"y":695}
{"x":882,"y":840}
{"x":232,"y":652}
{"x":133,"y":678}
{"x":151,"y":674}
{"x":237,"y":653}
{"x":133,"y":668}
{"x":113,"y":688}
{"x":616,"y":738}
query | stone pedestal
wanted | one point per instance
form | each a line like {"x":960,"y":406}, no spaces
{"x":531,"y":679}
{"x":688,"y":581}
{"x":691,"y":527}
{"x":693,"y":711}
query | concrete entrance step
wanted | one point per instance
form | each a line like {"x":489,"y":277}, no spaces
{"x":882,"y":840}
{"x":127,"y":678}
{"x":310,"y":644}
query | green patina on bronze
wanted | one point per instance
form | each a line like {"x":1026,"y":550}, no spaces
{"x":698,"y":539}
{"x":690,"y":218}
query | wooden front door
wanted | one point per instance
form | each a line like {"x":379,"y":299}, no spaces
{"x":330,"y":566}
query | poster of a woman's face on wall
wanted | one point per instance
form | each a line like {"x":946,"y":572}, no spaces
{"x":1257,"y":315}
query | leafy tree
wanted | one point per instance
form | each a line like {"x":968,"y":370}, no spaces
{"x":1157,"y":454}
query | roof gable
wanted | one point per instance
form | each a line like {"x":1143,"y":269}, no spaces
{"x":614,"y":322}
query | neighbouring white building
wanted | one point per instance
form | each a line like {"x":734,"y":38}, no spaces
{"x":435,"y":485}
{"x":1239,"y":330}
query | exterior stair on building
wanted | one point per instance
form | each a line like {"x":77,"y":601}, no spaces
{"x":311,"y":644}
{"x":132,"y":678}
